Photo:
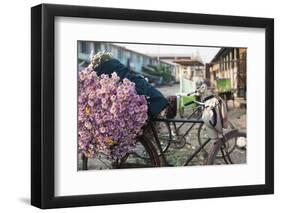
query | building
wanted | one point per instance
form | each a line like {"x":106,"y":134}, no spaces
{"x":229,"y":64}
{"x":190,"y":67}
{"x":134,"y":60}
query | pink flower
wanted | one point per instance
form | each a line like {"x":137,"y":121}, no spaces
{"x":108,"y":110}
{"x":113,"y":97}
{"x":104,"y":106}
{"x":103,"y":100}
{"x":91,"y":103}
{"x":113,"y":109}
{"x":88,"y":125}
{"x":137,"y":109}
{"x":102,"y":130}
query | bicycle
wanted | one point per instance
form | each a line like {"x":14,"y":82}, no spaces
{"x":212,"y":151}
{"x":169,"y":130}
{"x":186,"y":111}
{"x":130,"y":160}
{"x":146,"y":155}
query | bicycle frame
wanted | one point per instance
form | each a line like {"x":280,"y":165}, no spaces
{"x":193,"y":121}
{"x":197,"y":109}
{"x":218,"y":141}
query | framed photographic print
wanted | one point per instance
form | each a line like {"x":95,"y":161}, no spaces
{"x":140,"y":106}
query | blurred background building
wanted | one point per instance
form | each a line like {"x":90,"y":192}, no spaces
{"x":180,"y":68}
{"x":159,"y":69}
{"x":227,"y":70}
{"x":137,"y":62}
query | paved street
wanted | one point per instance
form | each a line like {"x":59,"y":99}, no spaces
{"x":169,"y":90}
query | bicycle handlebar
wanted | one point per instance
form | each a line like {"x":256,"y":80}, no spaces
{"x":196,"y":102}
{"x":199,"y":90}
{"x":191,"y":93}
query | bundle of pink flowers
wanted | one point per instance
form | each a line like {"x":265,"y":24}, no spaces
{"x":110,"y":115}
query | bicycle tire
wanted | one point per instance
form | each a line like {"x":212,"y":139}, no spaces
{"x":231,"y":147}
{"x":123,"y":163}
{"x":165,"y":146}
{"x":152,"y":158}
{"x":237,"y":154}
{"x":218,"y":145}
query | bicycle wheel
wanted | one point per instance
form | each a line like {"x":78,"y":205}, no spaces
{"x":203,"y":135}
{"x":144,"y":155}
{"x":164,"y":135}
{"x":131,"y":160}
{"x":237,"y":156}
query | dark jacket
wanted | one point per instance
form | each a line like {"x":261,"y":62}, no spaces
{"x":156,"y":101}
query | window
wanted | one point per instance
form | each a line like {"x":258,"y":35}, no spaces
{"x":97,"y":47}
{"x":226,"y":62}
{"x":232,"y":58}
{"x":119,"y":53}
{"x":83,"y":47}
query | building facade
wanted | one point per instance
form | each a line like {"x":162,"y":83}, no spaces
{"x":134,"y":60}
{"x":188,"y":67}
{"x":229,"y":64}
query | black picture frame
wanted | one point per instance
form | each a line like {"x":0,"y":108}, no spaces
{"x":43,"y":111}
